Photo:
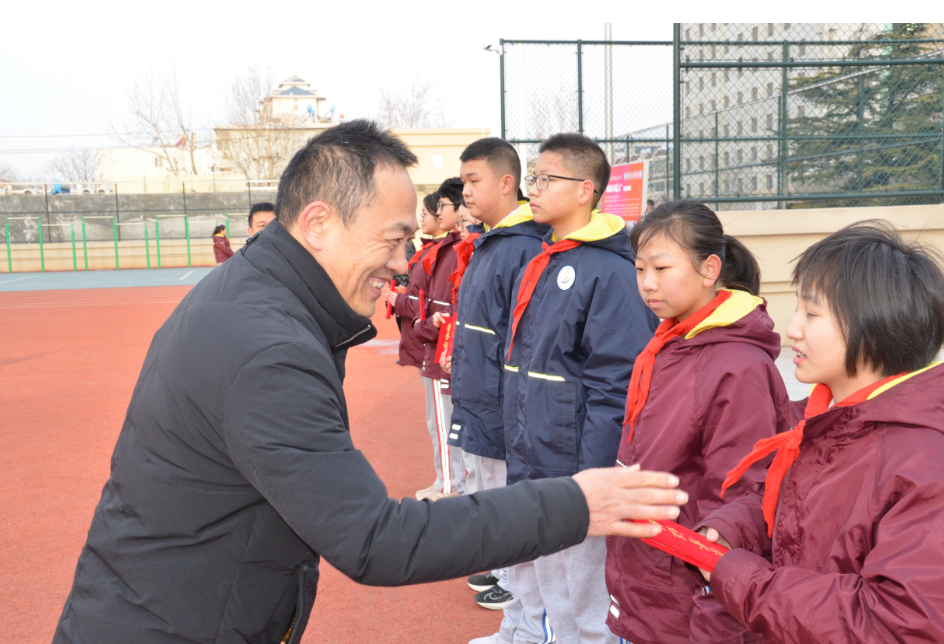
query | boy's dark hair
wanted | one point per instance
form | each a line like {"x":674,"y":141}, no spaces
{"x":451,"y":189}
{"x":431,"y":202}
{"x":581,"y":155}
{"x":697,"y":229}
{"x":263,"y":206}
{"x":886,"y":294}
{"x":499,"y":154}
{"x":337,"y":167}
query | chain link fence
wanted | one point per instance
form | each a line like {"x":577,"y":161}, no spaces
{"x":122,"y":211}
{"x":763,"y":115}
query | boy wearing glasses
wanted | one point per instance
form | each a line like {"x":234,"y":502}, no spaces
{"x":577,"y":325}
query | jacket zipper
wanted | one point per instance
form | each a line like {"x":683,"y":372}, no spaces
{"x":340,"y":345}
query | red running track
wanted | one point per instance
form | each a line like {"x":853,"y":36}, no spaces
{"x":68,"y":364}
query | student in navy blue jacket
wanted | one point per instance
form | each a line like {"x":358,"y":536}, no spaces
{"x":491,"y":174}
{"x":576,"y":329}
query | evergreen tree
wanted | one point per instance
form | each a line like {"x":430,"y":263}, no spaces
{"x":871,"y":129}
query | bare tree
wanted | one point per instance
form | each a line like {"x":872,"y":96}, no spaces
{"x":160,"y":124}
{"x":8,"y":173}
{"x":73,"y":165}
{"x":416,"y":108}
{"x":258,"y":141}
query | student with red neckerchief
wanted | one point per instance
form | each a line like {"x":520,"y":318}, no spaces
{"x":406,"y":306}
{"x":702,"y":392}
{"x":844,"y":539}
{"x":576,"y":327}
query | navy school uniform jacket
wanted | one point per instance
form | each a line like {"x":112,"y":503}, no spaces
{"x":485,"y":303}
{"x":573,"y":355}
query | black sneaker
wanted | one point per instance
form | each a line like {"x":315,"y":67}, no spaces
{"x":495,"y":598}
{"x":481,"y":582}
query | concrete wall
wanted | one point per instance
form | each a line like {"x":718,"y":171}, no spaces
{"x":776,"y":237}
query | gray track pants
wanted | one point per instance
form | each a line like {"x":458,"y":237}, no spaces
{"x":448,"y":461}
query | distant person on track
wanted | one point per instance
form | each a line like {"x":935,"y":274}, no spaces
{"x":221,"y":247}
{"x":234,"y":471}
{"x":259,"y":216}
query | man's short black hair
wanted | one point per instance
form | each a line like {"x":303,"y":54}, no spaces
{"x":499,"y":154}
{"x":451,"y":189}
{"x":262,"y":206}
{"x":431,"y":202}
{"x":337,"y":167}
{"x":583,"y":156}
{"x":886,"y":294}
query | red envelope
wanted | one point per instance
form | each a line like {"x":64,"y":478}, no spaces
{"x":687,"y":545}
{"x":422,"y":305}
{"x":393,"y":286}
{"x":447,"y":334}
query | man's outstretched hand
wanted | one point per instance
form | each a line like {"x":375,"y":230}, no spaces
{"x":619,"y":493}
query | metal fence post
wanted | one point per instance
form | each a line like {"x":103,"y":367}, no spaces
{"x":501,"y":67}
{"x":75,"y":264}
{"x":114,"y":225}
{"x":42,"y":258}
{"x":46,"y":197}
{"x":579,"y":87}
{"x":6,"y":235}
{"x":117,"y":218}
{"x":84,"y":244}
{"x":187,"y":231}
{"x":677,"y":111}
{"x":784,"y":117}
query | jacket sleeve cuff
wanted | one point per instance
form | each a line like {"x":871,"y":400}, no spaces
{"x":729,"y":581}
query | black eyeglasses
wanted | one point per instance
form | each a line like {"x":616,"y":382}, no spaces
{"x":440,"y":205}
{"x":543,"y":180}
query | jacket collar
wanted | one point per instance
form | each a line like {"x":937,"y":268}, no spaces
{"x":275,"y":252}
{"x":601,"y":226}
{"x":738,"y":306}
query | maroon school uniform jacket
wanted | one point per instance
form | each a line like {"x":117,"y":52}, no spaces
{"x":221,"y":248}
{"x":438,"y":300}
{"x":407,"y":307}
{"x":857,"y":553}
{"x":714,"y":393}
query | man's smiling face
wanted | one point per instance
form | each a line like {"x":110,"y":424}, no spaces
{"x":364,"y":256}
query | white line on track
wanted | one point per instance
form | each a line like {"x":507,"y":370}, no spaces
{"x":19,"y":279}
{"x":190,"y":273}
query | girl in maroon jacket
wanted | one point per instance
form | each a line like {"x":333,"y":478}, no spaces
{"x":221,"y":247}
{"x":844,"y":540}
{"x":702,"y":392}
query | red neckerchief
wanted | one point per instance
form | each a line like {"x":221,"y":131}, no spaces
{"x":419,"y":254}
{"x":532,"y":273}
{"x":464,"y":251}
{"x":430,"y":258}
{"x":646,"y":360}
{"x":787,"y":445}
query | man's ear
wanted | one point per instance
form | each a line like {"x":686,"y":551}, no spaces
{"x":312,"y":225}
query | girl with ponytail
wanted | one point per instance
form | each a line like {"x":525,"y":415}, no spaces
{"x":703,"y":391}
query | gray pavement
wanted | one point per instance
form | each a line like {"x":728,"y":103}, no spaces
{"x":102,"y":279}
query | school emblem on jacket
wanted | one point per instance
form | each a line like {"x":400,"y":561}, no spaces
{"x":566,"y":277}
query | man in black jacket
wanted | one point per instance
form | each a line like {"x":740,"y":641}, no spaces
{"x":234,"y":470}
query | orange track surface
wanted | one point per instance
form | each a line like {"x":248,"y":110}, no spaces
{"x":68,"y":364}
